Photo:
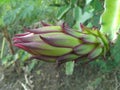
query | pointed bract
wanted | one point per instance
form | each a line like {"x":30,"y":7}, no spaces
{"x":62,"y":44}
{"x":47,"y":29}
{"x":95,"y":53}
{"x":83,"y":49}
{"x":60,"y":39}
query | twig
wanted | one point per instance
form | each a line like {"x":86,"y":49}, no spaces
{"x":28,"y":85}
{"x":7,"y":37}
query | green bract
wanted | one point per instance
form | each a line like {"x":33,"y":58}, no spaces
{"x":61,"y":43}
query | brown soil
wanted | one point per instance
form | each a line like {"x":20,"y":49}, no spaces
{"x":46,"y":76}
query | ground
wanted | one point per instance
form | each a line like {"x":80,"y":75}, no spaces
{"x":46,"y":76}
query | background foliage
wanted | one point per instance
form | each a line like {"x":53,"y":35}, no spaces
{"x":15,"y":14}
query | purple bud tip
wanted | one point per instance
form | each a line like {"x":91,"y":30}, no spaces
{"x":82,"y":26}
{"x":45,"y":24}
{"x":21,"y":46}
{"x":16,"y":40}
{"x":23,"y":34}
{"x":94,"y":28}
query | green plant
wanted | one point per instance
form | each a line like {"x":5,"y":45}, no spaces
{"x":110,"y":19}
{"x":62,"y":44}
{"x":14,"y":14}
{"x":110,"y":24}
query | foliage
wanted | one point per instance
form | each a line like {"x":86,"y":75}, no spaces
{"x":112,"y":61}
{"x":74,"y":13}
{"x":15,"y":14}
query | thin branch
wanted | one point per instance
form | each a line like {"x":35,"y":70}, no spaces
{"x":7,"y":37}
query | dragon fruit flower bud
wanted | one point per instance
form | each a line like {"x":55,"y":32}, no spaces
{"x":61,"y":43}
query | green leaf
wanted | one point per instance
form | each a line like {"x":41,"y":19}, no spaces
{"x":73,"y":1}
{"x":6,"y":59}
{"x":69,"y":18}
{"x":9,"y":17}
{"x":86,"y":16}
{"x":116,"y":50}
{"x":62,"y":10}
{"x":77,"y":13}
{"x":88,"y":2}
{"x":32,"y":65}
{"x":69,"y":67}
{"x":2,"y":2}
{"x":26,"y":12}
{"x":97,"y":5}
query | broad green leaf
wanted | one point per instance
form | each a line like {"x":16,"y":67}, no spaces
{"x":77,"y":26}
{"x":86,"y":16}
{"x":69,"y":18}
{"x":73,"y":1}
{"x":9,"y":17}
{"x":116,"y":50}
{"x":2,"y":2}
{"x":32,"y":65}
{"x":88,"y":2}
{"x":26,"y":12}
{"x":97,"y":5}
{"x":77,"y":12}
{"x":62,"y":10}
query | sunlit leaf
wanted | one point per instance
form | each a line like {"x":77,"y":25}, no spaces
{"x":62,"y":10}
{"x":77,"y":13}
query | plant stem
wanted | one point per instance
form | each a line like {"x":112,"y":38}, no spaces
{"x":7,"y":37}
{"x":110,"y":19}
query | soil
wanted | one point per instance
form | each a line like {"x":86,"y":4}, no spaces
{"x":46,"y":76}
